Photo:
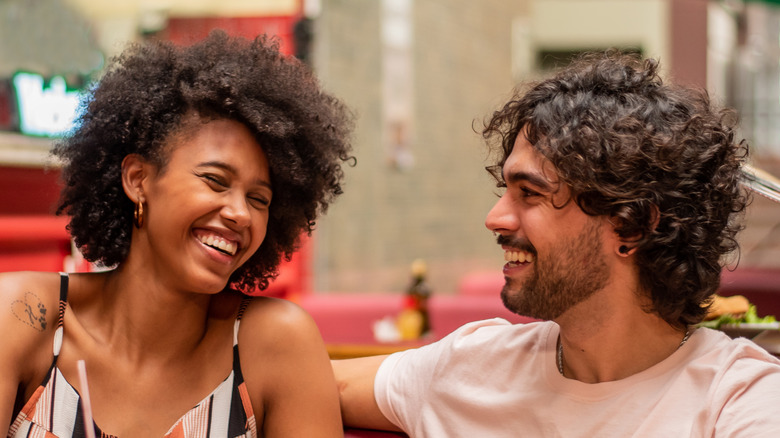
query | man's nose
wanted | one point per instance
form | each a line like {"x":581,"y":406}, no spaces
{"x":502,"y":218}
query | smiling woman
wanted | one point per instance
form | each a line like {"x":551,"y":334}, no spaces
{"x":192,"y":173}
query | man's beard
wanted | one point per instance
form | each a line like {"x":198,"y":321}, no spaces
{"x":569,"y":273}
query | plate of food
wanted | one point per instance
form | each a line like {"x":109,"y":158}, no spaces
{"x":737,"y":317}
{"x":747,"y":329}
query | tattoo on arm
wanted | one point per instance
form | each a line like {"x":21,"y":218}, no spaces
{"x":30,"y":311}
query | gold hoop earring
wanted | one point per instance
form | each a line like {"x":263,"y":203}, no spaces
{"x":138,"y":214}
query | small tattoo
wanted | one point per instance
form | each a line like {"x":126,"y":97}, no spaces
{"x":30,"y":311}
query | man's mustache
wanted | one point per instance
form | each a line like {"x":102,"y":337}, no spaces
{"x":518,"y":243}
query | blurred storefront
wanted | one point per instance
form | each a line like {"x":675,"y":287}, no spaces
{"x":423,"y":74}
{"x":47,"y":55}
{"x":50,"y":51}
{"x":420,"y":75}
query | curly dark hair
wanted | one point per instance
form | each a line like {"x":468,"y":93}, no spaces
{"x":659,"y":159}
{"x":143,"y":99}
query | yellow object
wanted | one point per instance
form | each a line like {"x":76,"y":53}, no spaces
{"x":735,"y":305}
{"x":409,"y":324}
{"x":419,"y":268}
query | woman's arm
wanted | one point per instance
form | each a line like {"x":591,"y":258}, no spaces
{"x":288,"y":372}
{"x":28,"y":314}
{"x":9,"y":369}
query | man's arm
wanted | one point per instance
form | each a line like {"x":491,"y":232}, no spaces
{"x":355,"y":380}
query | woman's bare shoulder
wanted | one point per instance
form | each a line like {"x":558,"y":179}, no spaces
{"x":273,"y":327}
{"x":29,"y":300}
{"x":286,"y":365}
{"x":274,"y":315}
{"x":28,"y":318}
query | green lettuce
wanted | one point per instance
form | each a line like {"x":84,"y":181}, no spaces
{"x":750,"y":317}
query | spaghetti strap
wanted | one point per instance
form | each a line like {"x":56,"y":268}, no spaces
{"x":61,"y":315}
{"x":244,"y":302}
{"x":63,"y":296}
{"x":55,"y":410}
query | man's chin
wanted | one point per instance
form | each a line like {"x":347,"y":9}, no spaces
{"x":516,"y":301}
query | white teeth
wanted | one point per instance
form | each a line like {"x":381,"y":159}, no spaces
{"x":217,"y":242}
{"x":518,"y":256}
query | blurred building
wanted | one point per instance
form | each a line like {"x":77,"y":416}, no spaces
{"x":50,"y":51}
{"x":421,"y":76}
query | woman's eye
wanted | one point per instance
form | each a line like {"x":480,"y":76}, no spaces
{"x":215,"y":181}
{"x":259,"y":201}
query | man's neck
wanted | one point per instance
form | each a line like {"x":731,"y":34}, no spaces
{"x":609,"y":337}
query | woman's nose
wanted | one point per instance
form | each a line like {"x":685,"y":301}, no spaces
{"x":236,"y":210}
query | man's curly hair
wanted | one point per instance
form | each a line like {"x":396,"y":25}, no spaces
{"x":143,"y":100}
{"x":660,"y":160}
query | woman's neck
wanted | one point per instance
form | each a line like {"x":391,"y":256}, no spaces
{"x":138,"y":318}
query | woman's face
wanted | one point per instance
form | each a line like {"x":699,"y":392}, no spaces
{"x":206,"y":211}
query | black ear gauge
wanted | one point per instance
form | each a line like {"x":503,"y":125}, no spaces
{"x":623,"y":249}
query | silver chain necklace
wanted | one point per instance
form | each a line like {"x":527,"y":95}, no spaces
{"x":559,"y":360}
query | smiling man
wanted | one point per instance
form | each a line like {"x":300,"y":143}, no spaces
{"x":620,"y":204}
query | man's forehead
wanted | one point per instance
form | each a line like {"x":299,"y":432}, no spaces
{"x":524,"y":161}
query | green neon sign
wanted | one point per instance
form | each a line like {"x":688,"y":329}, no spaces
{"x":47,"y":110}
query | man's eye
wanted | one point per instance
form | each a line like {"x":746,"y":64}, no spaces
{"x":528,"y":192}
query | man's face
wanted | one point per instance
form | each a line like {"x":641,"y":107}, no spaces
{"x":555,"y":257}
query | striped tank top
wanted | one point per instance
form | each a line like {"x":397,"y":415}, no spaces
{"x":55,"y":411}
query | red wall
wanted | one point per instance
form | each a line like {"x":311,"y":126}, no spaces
{"x":25,"y":191}
{"x":31,"y":238}
{"x":188,"y":30}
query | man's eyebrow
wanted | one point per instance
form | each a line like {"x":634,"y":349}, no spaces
{"x":231,"y":169}
{"x":536,"y":179}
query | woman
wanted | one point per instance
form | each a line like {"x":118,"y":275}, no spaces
{"x":191,"y":173}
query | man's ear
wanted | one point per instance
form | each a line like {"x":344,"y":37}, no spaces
{"x":626,"y":245}
{"x":135,"y":171}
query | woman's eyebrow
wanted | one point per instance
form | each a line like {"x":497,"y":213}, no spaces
{"x":219,"y":164}
{"x":232,"y":170}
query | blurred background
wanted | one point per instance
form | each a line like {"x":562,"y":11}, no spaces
{"x":421,"y":76}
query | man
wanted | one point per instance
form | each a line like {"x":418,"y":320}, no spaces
{"x":619,"y":204}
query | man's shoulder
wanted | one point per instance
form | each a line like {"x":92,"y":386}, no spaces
{"x":731,"y":361}
{"x":486,"y":343}
{"x":744,"y":385}
{"x":715,"y":345}
{"x":480,"y":340}
{"x":499,"y":327}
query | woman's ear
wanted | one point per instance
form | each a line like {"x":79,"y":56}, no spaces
{"x":135,"y":171}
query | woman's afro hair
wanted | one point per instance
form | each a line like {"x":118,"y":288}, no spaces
{"x":143,"y":100}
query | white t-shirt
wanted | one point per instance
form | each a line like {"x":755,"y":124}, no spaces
{"x":494,"y":379}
